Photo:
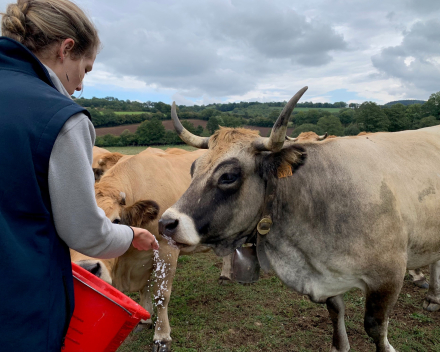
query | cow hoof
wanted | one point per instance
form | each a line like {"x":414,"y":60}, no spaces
{"x":422,"y":283}
{"x":343,"y":349}
{"x":223,"y":280}
{"x":431,"y":307}
{"x":162,"y":346}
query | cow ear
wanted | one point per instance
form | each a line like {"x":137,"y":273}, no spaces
{"x":110,"y":158}
{"x":283,"y":163}
{"x":143,"y":211}
{"x":122,"y":200}
{"x":98,"y":173}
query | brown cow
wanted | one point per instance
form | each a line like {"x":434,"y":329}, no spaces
{"x":162,"y":177}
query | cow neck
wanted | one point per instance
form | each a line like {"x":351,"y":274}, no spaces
{"x":264,"y":226}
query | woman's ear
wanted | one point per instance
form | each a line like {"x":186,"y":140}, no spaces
{"x":65,"y":48}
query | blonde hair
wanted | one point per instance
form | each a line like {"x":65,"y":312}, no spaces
{"x":39,"y":24}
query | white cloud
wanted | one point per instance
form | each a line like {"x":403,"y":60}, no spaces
{"x":217,"y":50}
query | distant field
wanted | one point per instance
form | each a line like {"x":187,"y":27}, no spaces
{"x":117,"y":130}
{"x":131,"y":112}
{"x":325,"y":109}
{"x":137,"y":149}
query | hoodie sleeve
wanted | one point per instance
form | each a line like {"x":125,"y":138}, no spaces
{"x":80,"y":223}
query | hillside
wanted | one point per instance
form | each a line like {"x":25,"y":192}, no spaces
{"x":168,"y":124}
{"x":405,"y":102}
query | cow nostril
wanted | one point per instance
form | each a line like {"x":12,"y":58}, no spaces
{"x":168,"y":226}
{"x":172,"y":226}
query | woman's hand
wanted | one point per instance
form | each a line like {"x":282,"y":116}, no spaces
{"x":144,"y":240}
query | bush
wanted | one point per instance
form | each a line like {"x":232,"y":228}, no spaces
{"x":307,"y":127}
{"x":331,"y":124}
{"x":352,"y":130}
{"x":109,"y":140}
{"x":150,"y":132}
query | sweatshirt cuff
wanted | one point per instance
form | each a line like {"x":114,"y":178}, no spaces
{"x":133,"y":233}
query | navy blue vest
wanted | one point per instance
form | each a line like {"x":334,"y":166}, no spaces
{"x":36,"y":292}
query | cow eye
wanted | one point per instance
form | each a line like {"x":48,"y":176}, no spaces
{"x":116,"y":221}
{"x":226,"y":179}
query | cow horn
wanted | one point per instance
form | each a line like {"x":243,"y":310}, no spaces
{"x":185,"y":135}
{"x":276,"y":140}
{"x":324,"y":136}
{"x":290,"y":139}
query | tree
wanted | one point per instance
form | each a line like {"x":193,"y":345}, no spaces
{"x":128,"y":138}
{"x":273,"y":116}
{"x":307,"y":127}
{"x":346,"y":116}
{"x":207,"y":113}
{"x":371,"y":118}
{"x":331,"y":124}
{"x":311,"y":116}
{"x":109,"y":140}
{"x":397,"y":116}
{"x":414,"y":114}
{"x":230,"y":121}
{"x":352,"y":130}
{"x":340,"y":104}
{"x":150,"y":132}
{"x":428,"y":122}
{"x":191,"y":128}
{"x":353,"y":105}
{"x":432,"y":106}
{"x":214,"y":123}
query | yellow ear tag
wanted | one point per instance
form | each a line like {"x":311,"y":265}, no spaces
{"x":285,"y":170}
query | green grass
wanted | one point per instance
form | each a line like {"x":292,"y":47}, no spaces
{"x":137,"y":149}
{"x":131,"y":112}
{"x":324,"y":109}
{"x":266,"y":316}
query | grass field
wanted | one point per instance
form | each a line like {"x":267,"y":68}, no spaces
{"x":266,"y":316}
{"x":324,"y":109}
{"x":131,"y":112}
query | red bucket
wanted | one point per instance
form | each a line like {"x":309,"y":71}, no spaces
{"x":103,"y":316}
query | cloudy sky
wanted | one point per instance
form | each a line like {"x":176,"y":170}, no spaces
{"x":205,"y":51}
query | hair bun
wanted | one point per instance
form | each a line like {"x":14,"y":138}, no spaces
{"x":14,"y":21}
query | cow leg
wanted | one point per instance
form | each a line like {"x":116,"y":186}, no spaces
{"x":147,"y":303}
{"x":226,"y":274}
{"x":432,"y":299}
{"x":336,"y":309}
{"x":379,"y":303}
{"x":418,"y":278}
{"x":166,"y":263}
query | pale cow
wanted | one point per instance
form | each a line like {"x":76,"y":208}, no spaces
{"x":352,"y":212}
{"x":122,"y":193}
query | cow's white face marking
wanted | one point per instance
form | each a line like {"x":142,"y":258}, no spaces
{"x":186,"y":231}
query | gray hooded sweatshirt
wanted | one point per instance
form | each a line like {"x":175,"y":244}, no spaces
{"x":80,"y":223}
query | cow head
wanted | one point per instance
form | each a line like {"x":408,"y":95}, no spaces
{"x":110,"y":199}
{"x":225,"y":200}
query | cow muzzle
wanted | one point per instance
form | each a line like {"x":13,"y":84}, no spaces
{"x":179,"y":227}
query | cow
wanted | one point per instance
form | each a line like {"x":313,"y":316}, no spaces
{"x":122,"y":193}
{"x":417,"y":276}
{"x":103,"y":160}
{"x":328,"y":216}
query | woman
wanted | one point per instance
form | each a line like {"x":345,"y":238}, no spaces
{"x":47,"y":199}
